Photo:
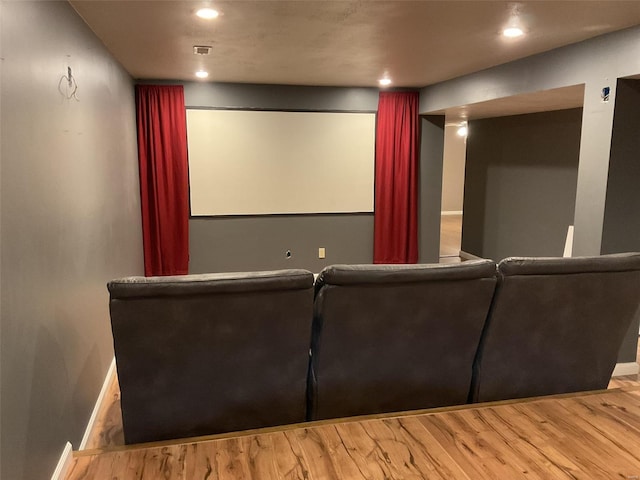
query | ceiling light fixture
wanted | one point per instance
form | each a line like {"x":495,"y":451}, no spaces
{"x":207,"y":13}
{"x":202,"y":74}
{"x":384,"y":82}
{"x":512,"y":32}
{"x":513,"y":27}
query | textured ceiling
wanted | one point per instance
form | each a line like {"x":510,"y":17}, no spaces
{"x":340,"y":43}
{"x":542,"y":101}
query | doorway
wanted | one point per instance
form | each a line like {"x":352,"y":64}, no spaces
{"x":455,"y":140}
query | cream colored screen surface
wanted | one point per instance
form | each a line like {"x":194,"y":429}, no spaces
{"x":257,"y":162}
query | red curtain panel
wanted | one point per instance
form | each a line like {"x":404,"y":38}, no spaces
{"x":164,"y":180}
{"x":396,"y":182}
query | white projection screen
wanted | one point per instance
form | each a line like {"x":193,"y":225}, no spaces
{"x":247,"y":162}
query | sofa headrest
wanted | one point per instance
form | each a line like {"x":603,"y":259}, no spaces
{"x":130,"y":287}
{"x":379,"y":274}
{"x":620,"y":262}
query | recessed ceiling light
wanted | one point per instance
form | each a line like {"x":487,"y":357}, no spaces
{"x":202,"y":74}
{"x":385,"y":82}
{"x":207,"y":13}
{"x":512,"y":32}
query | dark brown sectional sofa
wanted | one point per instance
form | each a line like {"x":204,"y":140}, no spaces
{"x":205,"y":354}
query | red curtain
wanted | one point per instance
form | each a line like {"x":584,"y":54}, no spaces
{"x":396,"y":198}
{"x":164,"y":180}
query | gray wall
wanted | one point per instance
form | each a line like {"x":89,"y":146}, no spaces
{"x":1,"y":336}
{"x":70,"y":221}
{"x":260,"y":242}
{"x":455,"y":151}
{"x":596,"y":63}
{"x":520,"y":184}
{"x":621,"y":231}
{"x":430,"y":188}
{"x":623,"y":192}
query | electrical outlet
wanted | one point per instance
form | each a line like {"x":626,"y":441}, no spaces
{"x":321,"y":252}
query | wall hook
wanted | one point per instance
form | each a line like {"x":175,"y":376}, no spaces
{"x":71,"y":90}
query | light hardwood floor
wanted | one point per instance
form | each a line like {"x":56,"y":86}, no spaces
{"x":107,"y":429}
{"x":578,"y":436}
{"x":450,"y":237}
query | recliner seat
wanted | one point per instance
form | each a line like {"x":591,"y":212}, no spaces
{"x":556,"y":325}
{"x":204,"y":354}
{"x":396,"y":337}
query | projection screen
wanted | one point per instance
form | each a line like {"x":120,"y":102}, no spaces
{"x":246,"y":162}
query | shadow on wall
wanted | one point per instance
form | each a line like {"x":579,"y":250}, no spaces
{"x":50,"y":374}
{"x":520,"y":184}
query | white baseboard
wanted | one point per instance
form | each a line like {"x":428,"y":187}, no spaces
{"x":451,"y":212}
{"x":92,"y":420}
{"x":568,"y":243}
{"x":622,"y":369}
{"x":62,"y":468}
{"x":469,"y":256}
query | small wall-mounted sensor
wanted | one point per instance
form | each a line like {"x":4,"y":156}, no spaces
{"x":287,"y":254}
{"x":605,"y":94}
{"x":201,"y":49}
{"x":321,"y":252}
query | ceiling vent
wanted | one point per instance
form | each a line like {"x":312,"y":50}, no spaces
{"x":201,"y":50}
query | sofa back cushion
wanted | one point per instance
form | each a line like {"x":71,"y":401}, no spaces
{"x":203,"y":354}
{"x":556,"y":325}
{"x":396,"y":337}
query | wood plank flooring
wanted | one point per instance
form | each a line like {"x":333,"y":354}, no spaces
{"x":450,"y":236}
{"x":107,"y":429}
{"x":582,"y":436}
